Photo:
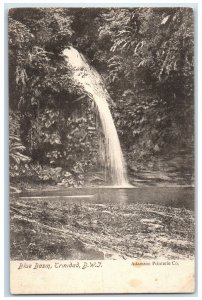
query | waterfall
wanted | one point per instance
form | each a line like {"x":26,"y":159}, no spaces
{"x":88,"y":79}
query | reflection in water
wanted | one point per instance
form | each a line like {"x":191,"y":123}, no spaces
{"x":121,"y":196}
{"x":118,"y":196}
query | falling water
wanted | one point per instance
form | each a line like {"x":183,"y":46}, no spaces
{"x":87,"y":78}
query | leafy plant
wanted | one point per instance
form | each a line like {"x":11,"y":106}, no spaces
{"x":145,"y":56}
{"x":18,"y":159}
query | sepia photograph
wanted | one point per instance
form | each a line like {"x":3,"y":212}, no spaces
{"x":101,"y":142}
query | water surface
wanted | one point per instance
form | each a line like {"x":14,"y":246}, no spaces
{"x":168,"y":196}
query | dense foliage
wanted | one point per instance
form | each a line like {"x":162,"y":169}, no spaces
{"x":145,"y":56}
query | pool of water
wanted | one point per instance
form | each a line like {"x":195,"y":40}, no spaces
{"x":168,"y":196}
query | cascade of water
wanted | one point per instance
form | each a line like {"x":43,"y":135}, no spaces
{"x":90,"y":81}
